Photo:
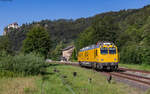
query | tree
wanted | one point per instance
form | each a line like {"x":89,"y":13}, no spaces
{"x":145,"y":43}
{"x":38,"y":41}
{"x":57,"y":52}
{"x":101,"y":30}
{"x":122,"y":40}
{"x":5,"y":44}
{"x":74,"y":55}
{"x":131,"y":53}
{"x":105,"y":29}
{"x":85,"y":38}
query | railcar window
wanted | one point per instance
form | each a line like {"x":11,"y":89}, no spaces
{"x":112,"y":50}
{"x":104,"y":50}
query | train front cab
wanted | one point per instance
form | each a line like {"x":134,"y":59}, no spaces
{"x":107,"y":57}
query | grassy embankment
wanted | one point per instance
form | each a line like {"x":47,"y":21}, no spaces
{"x":134,"y":66}
{"x":57,"y":83}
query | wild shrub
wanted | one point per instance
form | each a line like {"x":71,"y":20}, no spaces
{"x":29,"y":64}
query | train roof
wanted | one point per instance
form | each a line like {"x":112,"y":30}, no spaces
{"x":89,"y":47}
{"x":96,"y":46}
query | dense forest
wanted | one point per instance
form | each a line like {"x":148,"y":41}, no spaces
{"x":128,"y":29}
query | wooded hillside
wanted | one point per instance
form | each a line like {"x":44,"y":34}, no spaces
{"x":128,"y":29}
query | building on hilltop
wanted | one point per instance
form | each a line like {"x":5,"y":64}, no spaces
{"x":10,"y":26}
{"x":13,"y":25}
{"x":67,"y":53}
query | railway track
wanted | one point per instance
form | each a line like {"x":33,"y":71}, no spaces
{"x":139,"y":79}
{"x":134,"y":70}
{"x":122,"y":74}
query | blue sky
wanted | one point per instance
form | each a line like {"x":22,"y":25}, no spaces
{"x":26,"y":11}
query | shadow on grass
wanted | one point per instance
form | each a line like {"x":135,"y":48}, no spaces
{"x":46,"y":73}
{"x":52,"y":65}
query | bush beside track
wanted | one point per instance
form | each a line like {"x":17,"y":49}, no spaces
{"x":21,"y":64}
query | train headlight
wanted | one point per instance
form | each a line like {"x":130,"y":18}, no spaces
{"x":102,"y":59}
{"x":115,"y":59}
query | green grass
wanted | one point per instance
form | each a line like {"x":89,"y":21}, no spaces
{"x":54,"y":83}
{"x":134,"y":66}
{"x":19,"y":85}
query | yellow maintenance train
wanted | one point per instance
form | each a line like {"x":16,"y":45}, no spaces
{"x":103,"y":55}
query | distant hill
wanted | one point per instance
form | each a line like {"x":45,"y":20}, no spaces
{"x":67,"y":30}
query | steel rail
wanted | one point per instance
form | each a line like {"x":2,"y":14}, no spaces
{"x":130,"y":78}
{"x":147,"y":78}
{"x":134,"y":70}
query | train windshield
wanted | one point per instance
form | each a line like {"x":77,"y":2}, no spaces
{"x":104,"y":50}
{"x":112,"y":50}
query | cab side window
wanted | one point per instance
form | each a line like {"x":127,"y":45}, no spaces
{"x":96,"y":52}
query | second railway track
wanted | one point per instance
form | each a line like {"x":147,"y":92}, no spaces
{"x":139,"y":79}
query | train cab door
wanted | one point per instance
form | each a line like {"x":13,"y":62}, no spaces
{"x":95,"y":58}
{"x":95,"y":54}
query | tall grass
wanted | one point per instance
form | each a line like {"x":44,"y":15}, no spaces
{"x":30,"y":64}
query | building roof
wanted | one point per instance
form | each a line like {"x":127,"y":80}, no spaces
{"x":67,"y":48}
{"x":15,"y":23}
